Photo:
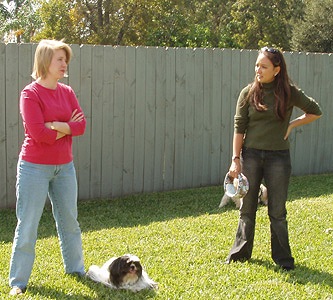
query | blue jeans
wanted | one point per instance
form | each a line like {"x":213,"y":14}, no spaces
{"x":275,"y":168}
{"x":34,"y":183}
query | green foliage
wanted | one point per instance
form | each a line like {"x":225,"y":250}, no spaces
{"x":286,"y":24}
{"x":59,"y":21}
{"x":18,"y":21}
{"x":183,"y":239}
{"x":314,"y":32}
{"x":257,"y":24}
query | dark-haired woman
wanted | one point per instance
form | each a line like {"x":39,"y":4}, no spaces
{"x":261,"y":151}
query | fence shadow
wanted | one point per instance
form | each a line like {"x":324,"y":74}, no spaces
{"x":143,"y":209}
{"x":130,"y":211}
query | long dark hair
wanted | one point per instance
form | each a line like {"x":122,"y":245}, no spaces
{"x":282,"y":86}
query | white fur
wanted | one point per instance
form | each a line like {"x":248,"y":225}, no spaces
{"x":102,"y":275}
{"x":262,"y":198}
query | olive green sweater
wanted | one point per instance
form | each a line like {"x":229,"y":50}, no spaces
{"x":262,"y":129}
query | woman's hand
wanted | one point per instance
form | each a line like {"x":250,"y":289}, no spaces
{"x":290,"y":127}
{"x":302,"y":120}
{"x":76,"y":117}
{"x":235,"y":168}
{"x":48,"y":125}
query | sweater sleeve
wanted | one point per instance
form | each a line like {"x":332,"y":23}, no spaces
{"x":77,"y":128}
{"x":33,"y":118}
{"x":304,"y":102}
{"x":241,"y":118}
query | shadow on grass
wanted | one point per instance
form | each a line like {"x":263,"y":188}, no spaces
{"x":301,"y":274}
{"x":129,"y":211}
{"x":101,"y":292}
{"x":310,"y":186}
{"x":104,"y":292}
{"x":142,"y":209}
{"x":54,"y":293}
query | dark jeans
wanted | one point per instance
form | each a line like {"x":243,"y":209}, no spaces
{"x":275,"y":168}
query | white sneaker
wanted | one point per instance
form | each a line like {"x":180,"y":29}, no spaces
{"x":16,"y":291}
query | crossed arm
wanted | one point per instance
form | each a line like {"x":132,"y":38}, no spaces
{"x":63,"y":128}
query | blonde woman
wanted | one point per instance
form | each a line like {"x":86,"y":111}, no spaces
{"x":51,"y":117}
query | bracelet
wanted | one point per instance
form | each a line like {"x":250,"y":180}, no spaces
{"x":235,"y":157}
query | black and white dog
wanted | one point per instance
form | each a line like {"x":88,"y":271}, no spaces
{"x":124,"y":272}
{"x":262,"y":198}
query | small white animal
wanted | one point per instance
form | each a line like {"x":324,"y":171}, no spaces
{"x":124,"y":272}
{"x":262,"y":198}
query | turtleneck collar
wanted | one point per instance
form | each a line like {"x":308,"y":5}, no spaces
{"x":268,"y":86}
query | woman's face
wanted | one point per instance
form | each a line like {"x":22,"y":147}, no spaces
{"x":265,"y":70}
{"x":58,"y":66}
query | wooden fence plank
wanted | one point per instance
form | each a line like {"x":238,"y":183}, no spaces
{"x":160,"y":119}
{"x":324,"y":129}
{"x":198,"y":130}
{"x":227,"y":113}
{"x":5,"y":200}
{"x":207,"y":113}
{"x":302,"y":137}
{"x":129,"y":129}
{"x":118,"y":122}
{"x":189,"y":117}
{"x":150,"y":120}
{"x":24,"y":77}
{"x":97,"y":124}
{"x":180,"y":118}
{"x":12,"y":117}
{"x":107,"y":119}
{"x":215,"y":156}
{"x":170,"y":113}
{"x":327,"y":105}
{"x":84,"y":142}
{"x":312,"y":130}
{"x":140,"y":103}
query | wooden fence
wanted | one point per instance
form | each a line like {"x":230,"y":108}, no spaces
{"x":158,"y":118}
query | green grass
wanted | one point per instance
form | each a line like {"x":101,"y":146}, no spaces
{"x":182,"y":239}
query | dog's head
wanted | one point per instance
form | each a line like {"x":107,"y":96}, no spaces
{"x":125,"y":269}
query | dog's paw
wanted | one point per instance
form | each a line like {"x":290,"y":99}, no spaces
{"x":224,"y":201}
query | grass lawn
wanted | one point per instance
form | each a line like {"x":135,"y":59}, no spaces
{"x":182,"y":239}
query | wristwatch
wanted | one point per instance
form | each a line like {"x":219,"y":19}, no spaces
{"x":52,"y":127}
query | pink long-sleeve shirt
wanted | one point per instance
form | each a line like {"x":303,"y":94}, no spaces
{"x":39,"y":105}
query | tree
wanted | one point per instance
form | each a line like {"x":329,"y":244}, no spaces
{"x":173,"y":23}
{"x":189,"y":24}
{"x":255,"y":23}
{"x":88,"y":21}
{"x":60,"y":20}
{"x":314,"y":32}
{"x":19,"y":21}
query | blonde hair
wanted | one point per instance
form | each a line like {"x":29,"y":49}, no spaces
{"x":43,"y":56}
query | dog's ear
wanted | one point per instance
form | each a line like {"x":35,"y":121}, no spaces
{"x":139,"y":268}
{"x":115,"y":270}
